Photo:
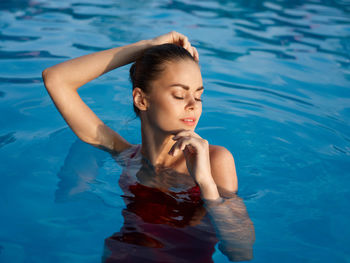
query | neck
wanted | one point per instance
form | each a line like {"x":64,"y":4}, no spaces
{"x":155,"y":146}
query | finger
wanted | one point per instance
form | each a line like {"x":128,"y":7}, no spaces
{"x":186,"y":133}
{"x":184,"y":42}
{"x":195,"y":54}
{"x":191,"y":51}
{"x":173,"y":149}
{"x":182,"y":143}
{"x":179,"y":38}
{"x":188,"y":142}
{"x":188,"y":47}
{"x":189,"y":149}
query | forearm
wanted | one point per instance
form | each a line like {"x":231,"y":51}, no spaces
{"x":209,"y":190}
{"x":233,"y":227}
{"x":78,"y":71}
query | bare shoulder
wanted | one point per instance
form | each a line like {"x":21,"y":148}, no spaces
{"x":223,"y":168}
{"x":220,"y":153}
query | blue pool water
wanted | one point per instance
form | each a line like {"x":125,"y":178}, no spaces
{"x":277,"y":79}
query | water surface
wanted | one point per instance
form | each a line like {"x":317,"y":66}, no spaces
{"x":277,"y":78}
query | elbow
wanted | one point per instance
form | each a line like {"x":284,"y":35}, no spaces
{"x":240,"y":249}
{"x":242,"y":255}
{"x":50,"y":78}
{"x":237,"y":253}
{"x":46,"y":74}
{"x":47,"y":77}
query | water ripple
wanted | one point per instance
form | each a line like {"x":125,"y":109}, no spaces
{"x":19,"y":81}
{"x":70,"y":11}
{"x":27,"y":54}
{"x":277,"y":53}
{"x":4,"y":37}
{"x":245,"y":103}
{"x":7,"y":139}
{"x":88,"y":47}
{"x":198,"y":10}
{"x":264,"y":90}
{"x":245,"y":33}
{"x":218,"y":52}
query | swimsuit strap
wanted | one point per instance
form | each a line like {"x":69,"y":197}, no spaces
{"x":133,"y":154}
{"x":135,"y":151}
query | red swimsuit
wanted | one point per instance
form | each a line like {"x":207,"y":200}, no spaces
{"x":160,"y":226}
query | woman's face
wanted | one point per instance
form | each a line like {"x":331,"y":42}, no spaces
{"x":175,"y":97}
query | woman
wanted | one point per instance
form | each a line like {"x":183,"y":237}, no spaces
{"x":167,"y":89}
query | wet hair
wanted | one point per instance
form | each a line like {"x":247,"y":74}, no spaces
{"x":152,"y":63}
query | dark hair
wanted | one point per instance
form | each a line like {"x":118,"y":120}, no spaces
{"x":151,"y":64}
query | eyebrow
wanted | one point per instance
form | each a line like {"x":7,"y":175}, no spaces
{"x":185,"y":87}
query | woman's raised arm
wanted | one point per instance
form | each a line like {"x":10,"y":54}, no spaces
{"x":63,"y":80}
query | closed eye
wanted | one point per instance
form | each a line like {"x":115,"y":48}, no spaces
{"x":181,"y":98}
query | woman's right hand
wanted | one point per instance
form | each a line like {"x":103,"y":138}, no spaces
{"x":176,"y":38}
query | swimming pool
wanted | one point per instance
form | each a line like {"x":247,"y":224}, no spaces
{"x":277,"y":78}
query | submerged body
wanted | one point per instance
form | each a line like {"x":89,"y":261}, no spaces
{"x":166,"y":220}
{"x":160,"y":225}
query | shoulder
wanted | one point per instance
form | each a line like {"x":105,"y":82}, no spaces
{"x":223,"y":168}
{"x":219,"y":153}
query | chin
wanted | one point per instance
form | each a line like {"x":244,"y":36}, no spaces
{"x":188,"y":127}
{"x":176,"y":130}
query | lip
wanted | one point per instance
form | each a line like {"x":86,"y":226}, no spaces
{"x":190,"y":121}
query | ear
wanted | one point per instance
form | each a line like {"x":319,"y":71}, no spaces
{"x":140,"y":99}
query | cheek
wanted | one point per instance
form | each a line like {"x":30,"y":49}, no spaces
{"x":164,"y":108}
{"x":171,"y":108}
{"x":200,"y":111}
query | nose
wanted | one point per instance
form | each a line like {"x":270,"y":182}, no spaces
{"x":191,"y":103}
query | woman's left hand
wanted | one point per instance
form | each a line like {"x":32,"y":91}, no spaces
{"x":177,"y":39}
{"x":196,"y":153}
